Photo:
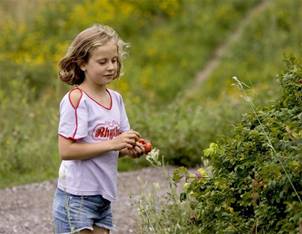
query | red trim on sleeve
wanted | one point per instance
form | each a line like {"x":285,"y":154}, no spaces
{"x":75,"y":109}
{"x":68,"y":138}
{"x":76,"y":119}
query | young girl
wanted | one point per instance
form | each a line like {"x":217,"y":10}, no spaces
{"x":93,"y":132}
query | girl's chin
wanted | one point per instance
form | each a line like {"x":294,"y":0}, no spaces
{"x":108,"y":78}
{"x":105,"y":82}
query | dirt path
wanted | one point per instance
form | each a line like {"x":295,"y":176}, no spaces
{"x":27,"y":209}
{"x":222,"y":50}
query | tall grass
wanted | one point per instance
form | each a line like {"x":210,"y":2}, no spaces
{"x":28,"y":135}
{"x":256,"y":56}
{"x":162,"y":62}
{"x":156,"y":69}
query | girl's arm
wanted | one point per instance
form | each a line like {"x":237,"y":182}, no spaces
{"x":72,"y":150}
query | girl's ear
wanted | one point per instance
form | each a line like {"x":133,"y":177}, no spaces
{"x":82,"y":66}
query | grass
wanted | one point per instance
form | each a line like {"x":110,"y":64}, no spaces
{"x":256,"y":57}
{"x":157,"y":69}
{"x":30,"y":94}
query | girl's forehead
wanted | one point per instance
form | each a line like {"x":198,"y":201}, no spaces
{"x":109,"y":49}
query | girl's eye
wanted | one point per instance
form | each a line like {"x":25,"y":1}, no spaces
{"x":105,"y":61}
{"x":102,"y":62}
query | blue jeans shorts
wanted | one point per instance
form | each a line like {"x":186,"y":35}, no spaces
{"x":73,"y":213}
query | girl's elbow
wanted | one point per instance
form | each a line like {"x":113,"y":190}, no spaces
{"x":65,"y":147}
{"x":64,"y":155}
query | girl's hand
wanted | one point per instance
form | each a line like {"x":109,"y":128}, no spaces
{"x":125,"y":140}
{"x":135,"y":152}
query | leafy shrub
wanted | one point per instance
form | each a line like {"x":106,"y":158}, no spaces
{"x":256,"y":185}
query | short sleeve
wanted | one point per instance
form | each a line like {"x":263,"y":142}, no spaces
{"x":73,"y":119}
{"x":125,"y":126}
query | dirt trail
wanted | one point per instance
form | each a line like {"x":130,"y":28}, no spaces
{"x":27,"y":209}
{"x":222,"y":50}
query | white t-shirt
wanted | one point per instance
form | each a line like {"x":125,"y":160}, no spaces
{"x":91,"y":122}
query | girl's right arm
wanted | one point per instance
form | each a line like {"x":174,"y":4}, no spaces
{"x":72,"y":150}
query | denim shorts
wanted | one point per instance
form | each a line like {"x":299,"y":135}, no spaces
{"x":73,"y":213}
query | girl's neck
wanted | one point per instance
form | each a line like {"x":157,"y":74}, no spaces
{"x":95,"y":90}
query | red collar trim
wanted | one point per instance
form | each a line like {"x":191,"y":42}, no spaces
{"x":100,"y":104}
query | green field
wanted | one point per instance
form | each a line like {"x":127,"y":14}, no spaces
{"x":170,"y":42}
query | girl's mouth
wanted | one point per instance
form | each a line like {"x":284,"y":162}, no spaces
{"x":109,"y":76}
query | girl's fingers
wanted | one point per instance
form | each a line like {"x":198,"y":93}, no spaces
{"x":131,"y":134}
{"x":140,"y":151}
{"x":134,"y":153}
{"x":140,"y":147}
{"x":129,"y":146}
{"x":130,"y":140}
{"x":134,"y":134}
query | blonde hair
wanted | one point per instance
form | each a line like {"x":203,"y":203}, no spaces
{"x":80,"y":50}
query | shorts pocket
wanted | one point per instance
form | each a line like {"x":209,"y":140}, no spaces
{"x":76,"y":215}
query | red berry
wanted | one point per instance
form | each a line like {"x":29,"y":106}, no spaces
{"x":148,"y":147}
{"x":142,"y":141}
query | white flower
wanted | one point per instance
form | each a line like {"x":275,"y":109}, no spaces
{"x":153,"y":157}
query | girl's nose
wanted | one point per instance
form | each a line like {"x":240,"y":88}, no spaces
{"x":110,"y":66}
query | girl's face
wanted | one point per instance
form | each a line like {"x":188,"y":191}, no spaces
{"x":102,"y":65}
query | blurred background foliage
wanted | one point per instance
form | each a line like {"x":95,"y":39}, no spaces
{"x":170,"y":42}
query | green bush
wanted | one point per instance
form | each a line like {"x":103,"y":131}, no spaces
{"x":255,"y":185}
{"x":251,"y":182}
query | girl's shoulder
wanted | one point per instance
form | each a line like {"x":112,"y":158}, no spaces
{"x":73,"y":96}
{"x":114,"y":94}
{"x":111,"y":91}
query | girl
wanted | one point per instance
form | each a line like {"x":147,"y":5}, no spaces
{"x":93,"y":132}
